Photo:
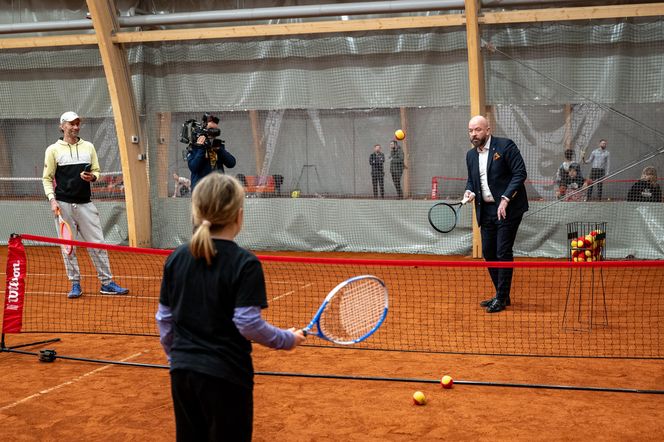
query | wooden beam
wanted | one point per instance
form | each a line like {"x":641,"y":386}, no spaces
{"x":340,"y":26}
{"x":50,"y":41}
{"x":477,"y":91}
{"x":573,"y":13}
{"x":132,"y":155}
{"x":320,"y":27}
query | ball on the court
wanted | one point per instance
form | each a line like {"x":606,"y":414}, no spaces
{"x":447,"y":381}
{"x":295,"y":194}
{"x":419,"y":398}
{"x":399,"y":134}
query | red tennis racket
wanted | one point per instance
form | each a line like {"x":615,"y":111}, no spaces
{"x":64,"y":232}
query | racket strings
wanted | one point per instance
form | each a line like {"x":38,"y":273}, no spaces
{"x":443,"y":217}
{"x":354,"y":311}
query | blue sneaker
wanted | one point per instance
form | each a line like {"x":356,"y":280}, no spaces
{"x":112,"y":289}
{"x":76,"y":291}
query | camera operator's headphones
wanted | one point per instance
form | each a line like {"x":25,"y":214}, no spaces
{"x":207,"y":117}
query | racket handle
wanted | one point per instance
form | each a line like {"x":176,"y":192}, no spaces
{"x":464,"y":200}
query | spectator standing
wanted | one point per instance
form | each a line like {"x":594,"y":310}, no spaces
{"x":376,"y":161}
{"x":397,"y":166}
{"x":599,"y":160}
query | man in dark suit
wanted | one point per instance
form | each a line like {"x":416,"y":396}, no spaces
{"x":496,"y":176}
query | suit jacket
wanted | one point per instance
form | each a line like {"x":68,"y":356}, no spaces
{"x":506,"y":173}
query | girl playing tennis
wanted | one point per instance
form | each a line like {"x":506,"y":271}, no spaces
{"x":212,"y":293}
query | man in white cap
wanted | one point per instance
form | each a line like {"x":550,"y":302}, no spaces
{"x":70,"y":165}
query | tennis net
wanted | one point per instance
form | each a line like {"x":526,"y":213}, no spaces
{"x":559,"y":308}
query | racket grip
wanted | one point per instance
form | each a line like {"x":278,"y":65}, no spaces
{"x":464,"y":200}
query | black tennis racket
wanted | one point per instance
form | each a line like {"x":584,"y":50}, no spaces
{"x":351,"y":312}
{"x":444,"y":216}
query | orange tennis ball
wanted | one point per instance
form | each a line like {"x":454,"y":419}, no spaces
{"x":419,"y":398}
{"x":399,"y":134}
{"x":447,"y":381}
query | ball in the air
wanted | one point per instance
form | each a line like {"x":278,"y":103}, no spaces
{"x":399,"y":134}
{"x":447,"y":381}
{"x":419,"y":398}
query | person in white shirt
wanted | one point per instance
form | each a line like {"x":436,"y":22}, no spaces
{"x":599,"y":160}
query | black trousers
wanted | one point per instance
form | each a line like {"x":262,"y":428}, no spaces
{"x":378,"y":182}
{"x":396,"y":177}
{"x":596,"y":174}
{"x":208,"y":408}
{"x":497,"y":242}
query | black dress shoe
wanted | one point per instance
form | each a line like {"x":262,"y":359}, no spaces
{"x":486,"y":302}
{"x":496,"y":306}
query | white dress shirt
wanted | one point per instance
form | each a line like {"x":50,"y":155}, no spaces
{"x":484,"y":181}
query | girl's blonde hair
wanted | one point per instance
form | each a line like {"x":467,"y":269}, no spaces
{"x":649,"y":170}
{"x":215,"y":203}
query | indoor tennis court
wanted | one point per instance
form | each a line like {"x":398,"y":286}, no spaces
{"x":349,"y":124}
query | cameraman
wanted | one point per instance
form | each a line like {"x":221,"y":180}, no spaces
{"x":208,"y":153}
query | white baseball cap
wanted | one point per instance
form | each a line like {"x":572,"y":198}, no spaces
{"x":69,"y":117}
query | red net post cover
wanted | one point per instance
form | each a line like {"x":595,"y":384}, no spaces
{"x":15,"y":289}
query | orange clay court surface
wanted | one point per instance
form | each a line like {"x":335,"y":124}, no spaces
{"x":75,"y":400}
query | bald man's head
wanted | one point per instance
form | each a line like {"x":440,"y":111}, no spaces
{"x":478,"y":130}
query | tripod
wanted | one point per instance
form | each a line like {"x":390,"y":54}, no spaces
{"x":306,"y":168}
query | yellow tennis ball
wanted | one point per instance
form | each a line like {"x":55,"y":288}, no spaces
{"x":447,"y":381}
{"x":419,"y":398}
{"x":573,"y":243}
{"x":399,"y":134}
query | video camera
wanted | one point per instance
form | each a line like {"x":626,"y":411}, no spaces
{"x":193,"y":129}
{"x":208,"y":132}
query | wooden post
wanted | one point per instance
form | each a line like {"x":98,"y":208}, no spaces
{"x":406,"y":151}
{"x":163,"y":141}
{"x":130,"y":141}
{"x":567,"y":142}
{"x":477,"y":91}
{"x":259,"y":149}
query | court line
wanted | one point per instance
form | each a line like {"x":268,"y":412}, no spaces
{"x":90,"y":275}
{"x":66,"y":383}
{"x":93,"y":295}
{"x":291,"y":292}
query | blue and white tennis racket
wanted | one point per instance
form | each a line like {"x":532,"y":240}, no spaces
{"x":352,"y":311}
